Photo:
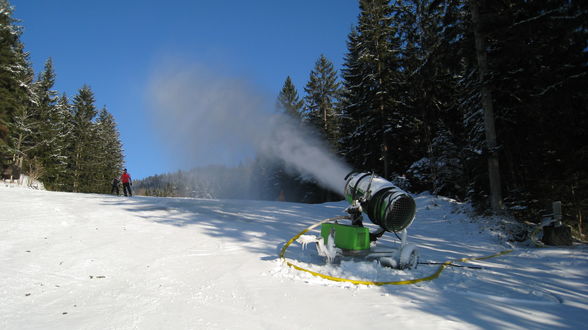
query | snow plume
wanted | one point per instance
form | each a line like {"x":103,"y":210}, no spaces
{"x":211,"y":118}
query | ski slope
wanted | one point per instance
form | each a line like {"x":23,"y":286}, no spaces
{"x":85,"y":261}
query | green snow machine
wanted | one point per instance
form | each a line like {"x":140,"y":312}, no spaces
{"x":387,"y":206}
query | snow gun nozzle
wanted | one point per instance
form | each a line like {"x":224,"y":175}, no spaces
{"x":385,"y":204}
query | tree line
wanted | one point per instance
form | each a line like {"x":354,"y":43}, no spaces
{"x":69,"y":145}
{"x":210,"y":182}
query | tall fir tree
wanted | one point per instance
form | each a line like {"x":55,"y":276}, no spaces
{"x":16,"y":96}
{"x":83,"y":158}
{"x":321,"y":100}
{"x":287,"y":183}
{"x":65,"y":146}
{"x":354,"y":125}
{"x":288,"y":100}
{"x":322,"y":117}
{"x":372,"y":110}
{"x":9,"y":40}
{"x":109,"y":150}
{"x":24,"y":126}
{"x":50,"y":152}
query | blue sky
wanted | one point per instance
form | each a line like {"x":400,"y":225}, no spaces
{"x":115,"y":46}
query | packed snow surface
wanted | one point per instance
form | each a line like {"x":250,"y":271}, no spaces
{"x":86,"y":261}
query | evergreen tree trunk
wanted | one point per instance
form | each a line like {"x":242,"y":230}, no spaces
{"x":383,"y":118}
{"x":489,"y":123}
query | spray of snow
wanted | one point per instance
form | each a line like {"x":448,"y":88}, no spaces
{"x":205,"y":115}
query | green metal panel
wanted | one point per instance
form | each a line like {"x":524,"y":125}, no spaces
{"x":347,"y":237}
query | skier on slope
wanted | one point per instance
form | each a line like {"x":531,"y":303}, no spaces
{"x":125,"y":178}
{"x":115,"y":183}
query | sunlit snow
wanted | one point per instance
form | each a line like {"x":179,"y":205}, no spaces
{"x":86,"y":261}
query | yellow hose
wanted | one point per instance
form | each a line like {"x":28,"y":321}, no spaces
{"x":339,"y":279}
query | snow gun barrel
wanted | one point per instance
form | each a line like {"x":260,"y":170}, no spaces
{"x":385,"y":204}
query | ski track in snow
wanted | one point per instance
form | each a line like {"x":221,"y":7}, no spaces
{"x":86,"y":261}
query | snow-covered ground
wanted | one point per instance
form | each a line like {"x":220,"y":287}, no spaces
{"x":83,"y":261}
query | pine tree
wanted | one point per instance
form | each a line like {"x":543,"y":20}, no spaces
{"x":286,"y":183}
{"x":321,"y":117}
{"x":50,"y":152}
{"x":23,"y":137}
{"x":372,"y":109}
{"x":447,"y":166}
{"x":110,"y":159}
{"x":442,"y":170}
{"x":65,"y":143}
{"x":83,"y":113}
{"x":16,"y":97}
{"x":9,"y":40}
{"x":289,"y":102}
{"x":322,"y":95}
{"x":353,"y":124}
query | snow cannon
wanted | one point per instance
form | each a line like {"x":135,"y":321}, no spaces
{"x":385,"y":204}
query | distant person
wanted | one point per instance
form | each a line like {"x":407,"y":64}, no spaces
{"x":115,"y":183}
{"x":125,"y":178}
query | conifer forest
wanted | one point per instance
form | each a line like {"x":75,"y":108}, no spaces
{"x":65,"y":143}
{"x":482,"y":101}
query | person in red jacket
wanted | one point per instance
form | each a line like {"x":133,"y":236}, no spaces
{"x":125,"y":178}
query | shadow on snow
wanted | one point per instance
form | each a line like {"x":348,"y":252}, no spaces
{"x":513,"y":291}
